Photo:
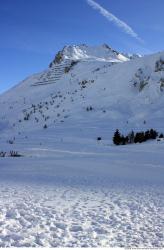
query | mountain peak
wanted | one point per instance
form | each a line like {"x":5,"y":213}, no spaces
{"x":89,"y":53}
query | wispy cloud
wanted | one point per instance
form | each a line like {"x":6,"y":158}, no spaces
{"x":110,"y":17}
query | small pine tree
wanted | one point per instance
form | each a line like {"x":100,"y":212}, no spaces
{"x":153,"y":134}
{"x":161,"y":135}
{"x":45,"y":126}
{"x":117,"y":138}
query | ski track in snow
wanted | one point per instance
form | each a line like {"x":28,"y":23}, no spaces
{"x":65,"y":216}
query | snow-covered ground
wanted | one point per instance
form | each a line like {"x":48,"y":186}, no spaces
{"x":72,"y":216}
{"x":73,"y":191}
{"x":68,"y":189}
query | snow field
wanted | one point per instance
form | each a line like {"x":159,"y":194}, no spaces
{"x":66,"y":216}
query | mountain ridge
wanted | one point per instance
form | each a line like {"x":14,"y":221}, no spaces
{"x":84,"y":52}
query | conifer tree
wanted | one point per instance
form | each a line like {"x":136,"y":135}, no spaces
{"x":117,"y":137}
{"x":161,"y":135}
{"x":153,"y":134}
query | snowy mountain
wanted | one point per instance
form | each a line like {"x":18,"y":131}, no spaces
{"x":91,"y":84}
{"x":69,"y":189}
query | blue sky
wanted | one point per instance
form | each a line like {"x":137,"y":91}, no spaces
{"x":32,"y":31}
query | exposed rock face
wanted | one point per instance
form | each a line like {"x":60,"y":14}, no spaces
{"x":58,"y":58}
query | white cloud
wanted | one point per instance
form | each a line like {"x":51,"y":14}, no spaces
{"x":110,"y":17}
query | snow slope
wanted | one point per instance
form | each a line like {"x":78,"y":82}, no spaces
{"x":68,"y":189}
{"x":129,"y":93}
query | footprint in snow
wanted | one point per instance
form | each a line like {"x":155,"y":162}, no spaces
{"x":76,"y":228}
{"x":61,"y":226}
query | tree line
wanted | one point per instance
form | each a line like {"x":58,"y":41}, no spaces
{"x":139,"y":137}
